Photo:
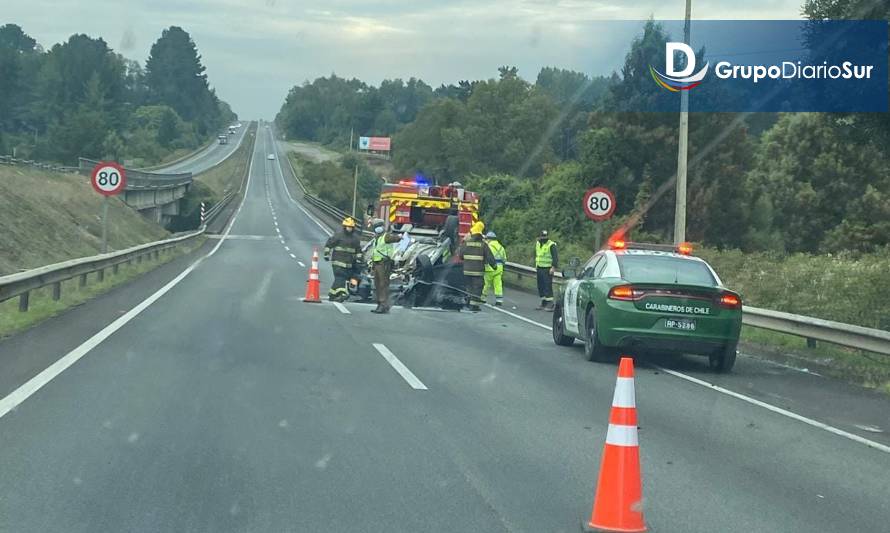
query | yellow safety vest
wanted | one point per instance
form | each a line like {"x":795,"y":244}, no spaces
{"x":543,"y":258}
{"x":499,"y":253}
{"x":382,"y":249}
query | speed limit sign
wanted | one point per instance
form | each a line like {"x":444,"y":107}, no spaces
{"x":108,"y":178}
{"x":599,"y":204}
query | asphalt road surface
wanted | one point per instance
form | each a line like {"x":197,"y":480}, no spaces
{"x":227,"y":404}
{"x":210,"y":156}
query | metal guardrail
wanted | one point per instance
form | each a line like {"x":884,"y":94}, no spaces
{"x":810,"y":328}
{"x":218,"y":207}
{"x":9,"y":160}
{"x":320,"y":204}
{"x":138,"y":180}
{"x":22,"y":283}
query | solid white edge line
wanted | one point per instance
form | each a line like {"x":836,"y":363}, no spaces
{"x":27,"y":389}
{"x":519,"y":317}
{"x":403,"y":371}
{"x":280,"y":173}
{"x":342,"y":308}
{"x":778,"y":410}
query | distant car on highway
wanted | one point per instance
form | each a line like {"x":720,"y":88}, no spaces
{"x":270,"y":157}
{"x":649,"y":298}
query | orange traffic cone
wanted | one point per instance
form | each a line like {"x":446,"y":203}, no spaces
{"x":618,"y":504}
{"x":312,"y":285}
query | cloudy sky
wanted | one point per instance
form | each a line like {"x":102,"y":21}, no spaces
{"x":255,"y":50}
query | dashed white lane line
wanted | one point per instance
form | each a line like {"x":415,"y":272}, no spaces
{"x":287,"y":248}
{"x":302,"y":264}
{"x":778,"y":410}
{"x":403,"y":371}
{"x":342,"y":308}
{"x":292,"y":255}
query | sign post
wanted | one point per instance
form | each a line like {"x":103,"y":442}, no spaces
{"x":108,"y":179}
{"x":599,"y":205}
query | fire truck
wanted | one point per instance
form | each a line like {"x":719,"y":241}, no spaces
{"x":433,"y":221}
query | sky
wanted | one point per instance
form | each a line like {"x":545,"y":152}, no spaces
{"x":256,"y":50}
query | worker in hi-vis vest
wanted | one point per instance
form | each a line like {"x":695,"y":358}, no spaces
{"x":546,"y":262}
{"x":476,"y":256}
{"x":494,"y":276}
{"x":382,"y":252}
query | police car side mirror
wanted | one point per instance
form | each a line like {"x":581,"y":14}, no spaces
{"x":572,"y":271}
{"x":370,"y":210}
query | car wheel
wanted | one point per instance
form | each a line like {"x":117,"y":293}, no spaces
{"x":559,"y":336}
{"x":723,"y":361}
{"x":593,"y":349}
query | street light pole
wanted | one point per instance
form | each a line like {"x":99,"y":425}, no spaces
{"x":680,"y":207}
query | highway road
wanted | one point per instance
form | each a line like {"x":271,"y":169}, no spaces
{"x":207,"y":397}
{"x":210,"y":156}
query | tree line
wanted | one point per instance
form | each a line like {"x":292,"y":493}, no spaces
{"x":81,"y":98}
{"x":779,"y":182}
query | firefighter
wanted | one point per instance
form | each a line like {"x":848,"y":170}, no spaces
{"x":382,"y":251}
{"x":476,"y":256}
{"x":546,"y":261}
{"x":494,"y":277}
{"x":344,"y":251}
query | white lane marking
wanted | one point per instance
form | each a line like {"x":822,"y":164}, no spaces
{"x":778,"y":410}
{"x":302,"y":264}
{"x":287,"y":248}
{"x":27,"y":389}
{"x":519,"y":317}
{"x":292,"y":255}
{"x":284,"y":184}
{"x":245,"y":237}
{"x":340,"y":307}
{"x":403,"y":371}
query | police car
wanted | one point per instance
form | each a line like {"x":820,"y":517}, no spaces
{"x":649,"y":298}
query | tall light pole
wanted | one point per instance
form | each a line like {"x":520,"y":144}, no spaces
{"x":680,"y":207}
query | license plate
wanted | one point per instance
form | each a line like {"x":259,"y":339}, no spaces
{"x":686,"y":324}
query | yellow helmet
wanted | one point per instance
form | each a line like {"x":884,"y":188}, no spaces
{"x":348,"y":222}
{"x":477,"y":228}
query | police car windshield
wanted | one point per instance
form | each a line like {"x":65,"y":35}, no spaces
{"x":664,"y":269}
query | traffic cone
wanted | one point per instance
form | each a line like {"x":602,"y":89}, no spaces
{"x":312,"y":285}
{"x":618,"y":504}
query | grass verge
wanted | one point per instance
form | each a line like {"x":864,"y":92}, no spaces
{"x":42,"y":306}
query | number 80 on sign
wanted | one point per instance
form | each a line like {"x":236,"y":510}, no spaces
{"x":108,"y":179}
{"x":599,"y":204}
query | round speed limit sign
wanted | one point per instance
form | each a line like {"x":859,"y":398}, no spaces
{"x":108,"y":178}
{"x":599,"y":204}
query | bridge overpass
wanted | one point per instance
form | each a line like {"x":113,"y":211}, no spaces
{"x":156,"y":193}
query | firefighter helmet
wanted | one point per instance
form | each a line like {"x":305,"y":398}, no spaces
{"x":348,"y":222}
{"x":477,"y":228}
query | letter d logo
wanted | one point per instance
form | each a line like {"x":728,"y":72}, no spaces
{"x":670,"y":51}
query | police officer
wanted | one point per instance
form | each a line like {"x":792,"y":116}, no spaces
{"x":546,"y":262}
{"x":344,"y":251}
{"x":476,"y":256}
{"x":382,"y":251}
{"x":494,"y":276}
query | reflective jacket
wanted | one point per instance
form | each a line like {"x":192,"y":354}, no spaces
{"x":344,"y":250}
{"x":498,"y":252}
{"x":545,"y":254}
{"x":476,"y":256}
{"x":383,"y":248}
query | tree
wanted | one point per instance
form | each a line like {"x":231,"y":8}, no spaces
{"x":167,"y":128}
{"x":176,"y":77}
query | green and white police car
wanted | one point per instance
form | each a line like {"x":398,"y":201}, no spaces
{"x":649,"y":298}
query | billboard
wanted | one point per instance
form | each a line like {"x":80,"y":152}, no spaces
{"x":374,"y":144}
